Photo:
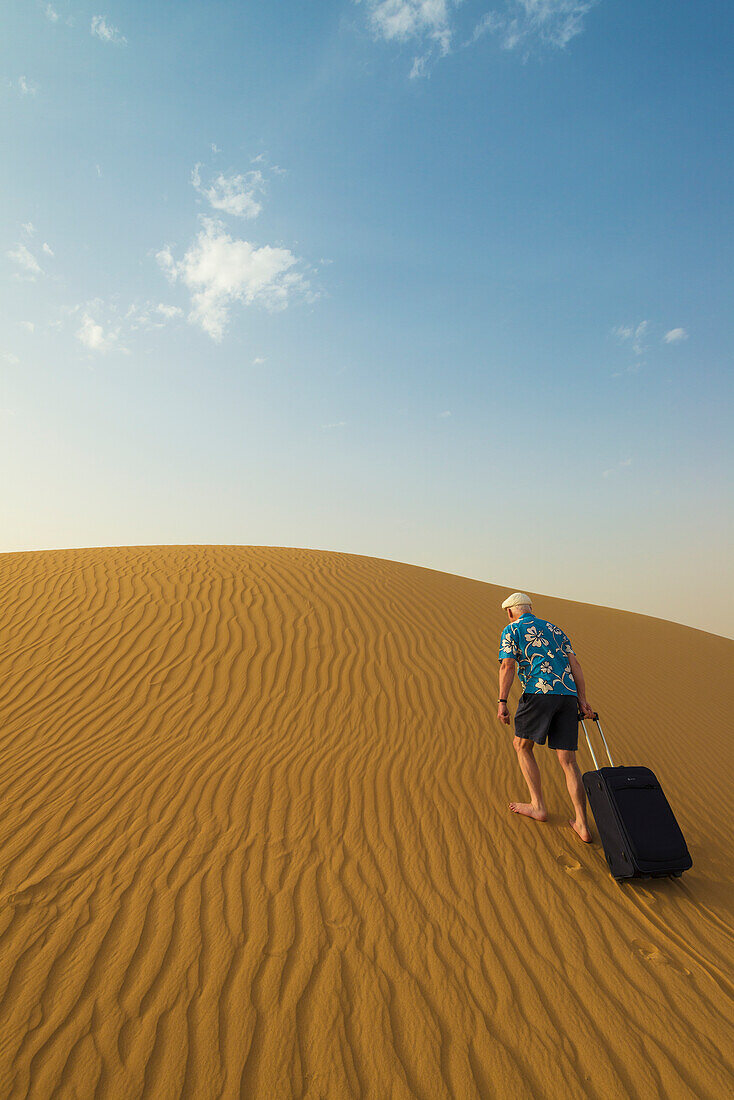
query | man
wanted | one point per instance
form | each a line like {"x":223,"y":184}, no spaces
{"x":554,"y":690}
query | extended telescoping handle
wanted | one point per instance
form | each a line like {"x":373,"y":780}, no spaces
{"x":595,"y":717}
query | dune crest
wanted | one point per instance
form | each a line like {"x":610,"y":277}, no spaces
{"x":254,"y":841}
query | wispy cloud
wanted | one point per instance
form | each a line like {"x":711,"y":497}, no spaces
{"x":258,"y":361}
{"x":26,"y":86}
{"x":151,"y":315}
{"x":103,"y":326}
{"x":675,"y":335}
{"x":527,"y":22}
{"x":106,"y":32}
{"x":432,"y":26}
{"x":237,"y":195}
{"x":402,"y":20}
{"x":55,"y":16}
{"x":27,"y":325}
{"x":219,"y":271}
{"x":615,"y":469}
{"x":425,"y":24}
{"x":9,"y":357}
{"x":634,"y":335}
{"x":22,"y":256}
{"x":335,"y":424}
{"x":632,"y":368}
{"x":25,"y":259}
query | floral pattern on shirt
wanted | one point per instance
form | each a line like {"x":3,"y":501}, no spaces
{"x":541,"y":650}
{"x":534,"y":637}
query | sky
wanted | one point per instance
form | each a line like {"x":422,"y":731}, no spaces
{"x":446,"y":283}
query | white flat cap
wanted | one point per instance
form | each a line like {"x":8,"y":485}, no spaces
{"x":516,"y":599}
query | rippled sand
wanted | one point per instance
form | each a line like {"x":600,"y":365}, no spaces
{"x":254,"y":841}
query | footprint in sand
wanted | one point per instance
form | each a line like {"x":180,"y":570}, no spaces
{"x":568,"y":863}
{"x":653,"y":954}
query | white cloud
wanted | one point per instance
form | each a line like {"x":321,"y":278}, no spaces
{"x":258,"y":361}
{"x":98,"y":170}
{"x":51,"y":14}
{"x":233,"y":194}
{"x":94,"y":337}
{"x":634,"y":335}
{"x":335,"y":424}
{"x":418,"y":68}
{"x":106,"y":32}
{"x":27,"y":325}
{"x":443,"y":415}
{"x":631,"y":368}
{"x":548,"y":22}
{"x":425,"y":23}
{"x":10,"y":358}
{"x":620,"y":466}
{"x":28,"y":228}
{"x":215,"y":148}
{"x":219,"y":272}
{"x":433,"y":25}
{"x":47,"y":249}
{"x":26,"y":260}
{"x":103,"y":326}
{"x":26,"y":86}
{"x":406,"y":19}
{"x":150,"y":315}
{"x":675,"y":336}
{"x":169,"y":312}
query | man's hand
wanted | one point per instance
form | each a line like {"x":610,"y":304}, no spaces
{"x":586,"y":710}
{"x":503,"y":713}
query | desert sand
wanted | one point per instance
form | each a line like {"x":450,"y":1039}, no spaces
{"x":254,"y":840}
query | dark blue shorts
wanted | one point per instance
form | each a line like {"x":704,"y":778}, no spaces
{"x":548,"y":716}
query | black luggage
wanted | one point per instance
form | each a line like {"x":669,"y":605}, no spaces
{"x":638,"y":830}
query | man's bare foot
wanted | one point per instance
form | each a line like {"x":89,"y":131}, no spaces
{"x":581,"y":830}
{"x":528,"y":810}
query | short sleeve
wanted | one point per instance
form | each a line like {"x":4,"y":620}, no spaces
{"x":508,"y":645}
{"x":566,"y":646}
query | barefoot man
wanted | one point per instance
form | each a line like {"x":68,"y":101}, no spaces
{"x":554,"y":690}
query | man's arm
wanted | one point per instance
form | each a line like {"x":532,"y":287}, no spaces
{"x":507,"y":675}
{"x":580,"y":685}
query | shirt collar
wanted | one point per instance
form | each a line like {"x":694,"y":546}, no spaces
{"x":527,"y":615}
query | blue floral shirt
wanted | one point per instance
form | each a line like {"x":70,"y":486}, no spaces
{"x":541,"y":651}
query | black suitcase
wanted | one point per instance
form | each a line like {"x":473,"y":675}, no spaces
{"x":638,"y":830}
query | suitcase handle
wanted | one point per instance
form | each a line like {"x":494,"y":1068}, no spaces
{"x":595,"y":718}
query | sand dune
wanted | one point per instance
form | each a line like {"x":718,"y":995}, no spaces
{"x":254,"y":841}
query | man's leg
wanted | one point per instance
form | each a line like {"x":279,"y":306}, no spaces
{"x":575,"y":786}
{"x":535,"y":808}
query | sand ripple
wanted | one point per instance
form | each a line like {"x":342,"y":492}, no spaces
{"x":254,"y":841}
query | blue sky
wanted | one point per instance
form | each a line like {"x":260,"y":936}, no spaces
{"x":445,"y":283}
